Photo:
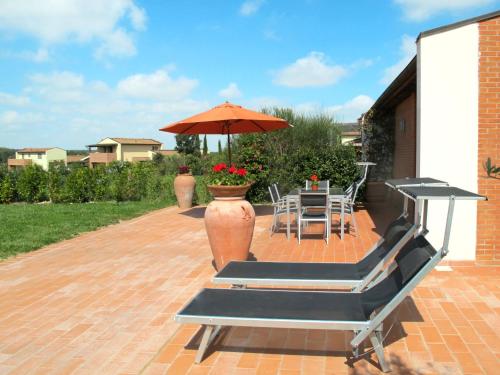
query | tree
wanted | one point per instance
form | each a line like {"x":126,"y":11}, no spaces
{"x":219,"y":148}
{"x":197,"y":145}
{"x":205,"y":146}
{"x":186,"y":143}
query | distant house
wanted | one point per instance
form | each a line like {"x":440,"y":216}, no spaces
{"x":122,"y":149}
{"x":444,"y":122}
{"x":77,"y":159}
{"x":39,"y":156}
{"x":350,"y":133}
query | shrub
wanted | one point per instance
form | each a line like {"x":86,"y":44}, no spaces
{"x":56,"y":181}
{"x":8,"y":187}
{"x":79,"y":186}
{"x":32,"y":184}
{"x":201,"y":193}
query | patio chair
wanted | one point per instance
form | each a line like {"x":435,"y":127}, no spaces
{"x":279,"y":206}
{"x":354,"y":276}
{"x":313,"y":207}
{"x":351,"y":194}
{"x":363,"y":313}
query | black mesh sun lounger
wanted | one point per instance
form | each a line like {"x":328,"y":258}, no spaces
{"x":355,"y":276}
{"x":361,"y":312}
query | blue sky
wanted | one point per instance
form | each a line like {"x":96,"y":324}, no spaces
{"x":81,"y":70}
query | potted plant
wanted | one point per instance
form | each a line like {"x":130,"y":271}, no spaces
{"x":184,"y":184}
{"x":314,"y":182}
{"x":229,"y":218}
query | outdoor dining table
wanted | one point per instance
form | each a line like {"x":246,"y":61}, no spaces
{"x":335,"y":194}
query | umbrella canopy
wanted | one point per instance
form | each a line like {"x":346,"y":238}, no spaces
{"x":227,"y":119}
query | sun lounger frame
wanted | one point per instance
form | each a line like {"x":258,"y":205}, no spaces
{"x":372,"y":328}
{"x":353,"y":285}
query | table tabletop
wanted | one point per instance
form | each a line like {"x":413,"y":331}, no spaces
{"x":332,"y":192}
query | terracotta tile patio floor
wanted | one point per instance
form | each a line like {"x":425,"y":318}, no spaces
{"x":103,"y":303}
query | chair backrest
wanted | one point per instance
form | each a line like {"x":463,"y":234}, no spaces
{"x":323,"y":184}
{"x":314,"y":200}
{"x":276,"y":190}
{"x":273,"y":194}
{"x":355,"y":192}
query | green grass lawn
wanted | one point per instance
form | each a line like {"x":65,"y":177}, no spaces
{"x":26,"y":227}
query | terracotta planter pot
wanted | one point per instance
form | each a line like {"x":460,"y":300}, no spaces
{"x":184,"y":189}
{"x":229,"y":222}
{"x":314,"y":187}
{"x":231,"y":191}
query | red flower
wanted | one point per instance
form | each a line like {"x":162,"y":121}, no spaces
{"x":219,"y":167}
{"x":242,"y":172}
{"x":314,"y":177}
{"x":232,"y":169}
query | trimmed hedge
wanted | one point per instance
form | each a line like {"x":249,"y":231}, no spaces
{"x":119,"y":181}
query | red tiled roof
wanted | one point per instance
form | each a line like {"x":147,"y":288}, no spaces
{"x":136,"y":141}
{"x":31,"y":149}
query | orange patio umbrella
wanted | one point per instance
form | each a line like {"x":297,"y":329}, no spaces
{"x":227,"y":119}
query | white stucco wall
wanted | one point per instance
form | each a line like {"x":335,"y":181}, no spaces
{"x":447,"y":129}
{"x":56,"y":154}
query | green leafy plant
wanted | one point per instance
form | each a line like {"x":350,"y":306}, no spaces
{"x":32,"y":184}
{"x":221,"y":174}
{"x":491,"y":170}
{"x":8,"y":187}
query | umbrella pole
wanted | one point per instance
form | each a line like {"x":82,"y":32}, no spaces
{"x":229,"y":146}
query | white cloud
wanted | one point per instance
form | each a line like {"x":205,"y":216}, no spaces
{"x":310,"y":71}
{"x":250,"y":7}
{"x":362,"y":63}
{"x":13,"y":100}
{"x":352,"y":109}
{"x":39,"y":56}
{"x":65,"y":109}
{"x":420,"y":10}
{"x":407,"y":51}
{"x":158,"y":85}
{"x":81,"y":21}
{"x":117,"y":44}
{"x":230,"y":92}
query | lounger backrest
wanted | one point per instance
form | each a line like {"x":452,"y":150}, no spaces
{"x":393,"y":234}
{"x":412,"y":257}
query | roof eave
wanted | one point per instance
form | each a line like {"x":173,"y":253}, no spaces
{"x":451,"y":26}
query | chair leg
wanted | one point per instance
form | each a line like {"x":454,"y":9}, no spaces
{"x":299,"y":226}
{"x":379,"y":351}
{"x":273,"y":222}
{"x":205,"y":342}
{"x":353,"y":219}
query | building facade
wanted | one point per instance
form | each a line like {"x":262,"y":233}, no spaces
{"x":445,"y":112}
{"x":38,"y":156}
{"x":122,"y":149}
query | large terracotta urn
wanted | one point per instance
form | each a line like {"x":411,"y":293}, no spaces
{"x":229,"y":221}
{"x":184,"y":189}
